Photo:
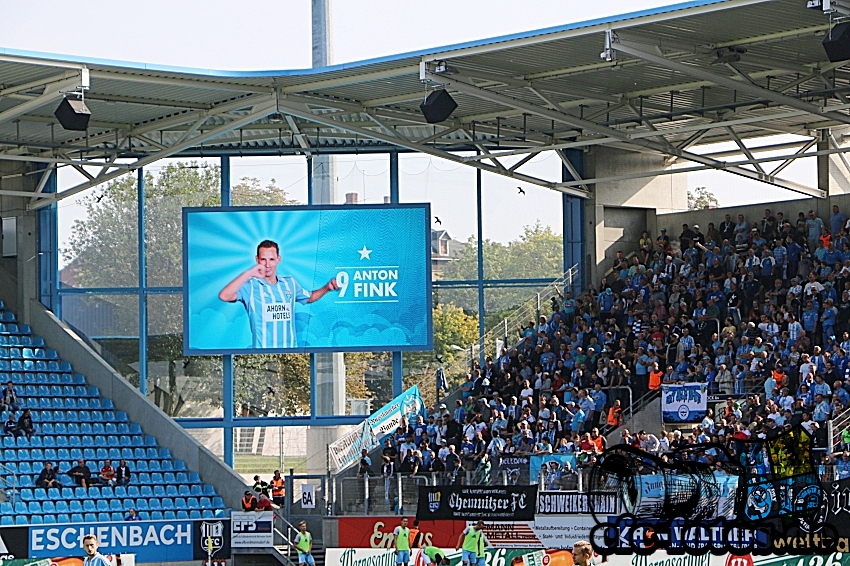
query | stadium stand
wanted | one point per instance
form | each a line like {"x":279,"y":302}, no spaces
{"x":74,"y":421}
{"x":757,"y":309}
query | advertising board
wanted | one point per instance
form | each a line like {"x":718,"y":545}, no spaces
{"x":461,"y":502}
{"x":252,"y":529}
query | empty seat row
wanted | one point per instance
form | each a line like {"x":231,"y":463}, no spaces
{"x":63,"y":376}
{"x":119,"y":491}
{"x":75,"y":391}
{"x":151,"y":456}
{"x":31,"y":366}
{"x":27,"y":353}
{"x":101,"y":505}
{"x":77,"y":419}
{"x":7,"y":316}
{"x":18,"y":329}
{"x":61,"y":518}
{"x":79,"y":441}
{"x":22,"y":341}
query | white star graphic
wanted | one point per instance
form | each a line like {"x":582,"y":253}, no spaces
{"x":364,"y":253}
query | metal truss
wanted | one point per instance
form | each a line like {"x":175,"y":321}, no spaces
{"x":317,"y":117}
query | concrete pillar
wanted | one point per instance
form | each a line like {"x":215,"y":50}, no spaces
{"x":824,"y":206}
{"x":329,"y":369}
{"x":24,"y":267}
{"x":618,"y":211}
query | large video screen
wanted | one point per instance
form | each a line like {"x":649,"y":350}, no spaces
{"x":306,"y":279}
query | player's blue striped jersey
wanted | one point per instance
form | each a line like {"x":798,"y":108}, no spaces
{"x":271,"y":310}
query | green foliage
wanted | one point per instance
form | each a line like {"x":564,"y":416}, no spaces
{"x":701,"y":198}
{"x":538,"y":253}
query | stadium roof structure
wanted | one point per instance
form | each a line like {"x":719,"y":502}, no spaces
{"x":673,"y":77}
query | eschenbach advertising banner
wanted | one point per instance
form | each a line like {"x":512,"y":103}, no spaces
{"x":469,"y":503}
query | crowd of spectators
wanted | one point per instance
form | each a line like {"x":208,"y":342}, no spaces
{"x":758,"y":309}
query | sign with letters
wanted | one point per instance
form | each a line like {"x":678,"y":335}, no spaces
{"x":150,"y":541}
{"x":307,"y":279}
{"x":308,"y":496}
{"x":252,"y":529}
{"x":684,"y":403}
{"x":470,"y":503}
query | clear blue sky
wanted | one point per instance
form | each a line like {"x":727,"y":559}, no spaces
{"x":275,"y":34}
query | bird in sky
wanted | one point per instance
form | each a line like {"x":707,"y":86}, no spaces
{"x":98,"y":198}
{"x":439,"y":358}
{"x":522,"y":192}
{"x":437,"y":220}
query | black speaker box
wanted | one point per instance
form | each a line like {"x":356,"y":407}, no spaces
{"x":837,"y":43}
{"x":73,"y":114}
{"x":438,"y":106}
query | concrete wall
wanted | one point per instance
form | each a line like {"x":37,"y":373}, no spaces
{"x":25,"y":266}
{"x":139,"y":409}
{"x":752,"y":213}
{"x":618,"y":211}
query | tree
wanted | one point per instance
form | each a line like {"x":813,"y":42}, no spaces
{"x":452,"y":326}
{"x":103,"y":252}
{"x":538,"y":253}
{"x":701,"y":198}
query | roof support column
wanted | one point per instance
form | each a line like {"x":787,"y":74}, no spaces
{"x":573,"y":218}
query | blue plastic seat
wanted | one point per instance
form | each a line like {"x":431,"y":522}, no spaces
{"x":80,"y":493}
{"x":26,"y":495}
{"x":126,"y":453}
{"x":96,"y":415}
{"x":89,"y":506}
{"x":77,"y":518}
{"x":183,"y":490}
{"x":145,"y":516}
{"x":156,"y":516}
{"x":120,"y":491}
{"x":88,"y":453}
{"x":182,"y":514}
{"x":62,"y":507}
{"x":63,"y":518}
{"x":94,"y":403}
{"x":53,"y":493}
{"x":154,"y":503}
{"x":193,"y":503}
{"x":37,"y":454}
{"x":157,"y":478}
{"x":73,"y":428}
{"x":94,"y":492}
{"x":179,"y":466}
{"x":98,"y":428}
{"x":116,"y":516}
{"x":115,"y":505}
{"x":34,"y":508}
{"x":169,"y":515}
{"x":6,"y":508}
{"x":76,"y":506}
{"x":21,"y":508}
{"x":207,"y":514}
{"x":48,"y":440}
{"x":60,"y":428}
{"x":24,"y":468}
{"x":35,"y":441}
{"x":102,"y":453}
{"x":90,"y":517}
{"x":195,"y":478}
{"x":180,"y":503}
{"x":39,"y":494}
{"x":158,"y":490}
{"x":21,"y":520}
{"x":107,"y":492}
{"x":68,"y":493}
{"x":128,"y":504}
{"x":114,"y":453}
{"x":85,"y":428}
{"x":171,"y":490}
{"x":139,"y":454}
{"x":102,"y":505}
{"x":36,"y":520}
{"x":25,"y":480}
{"x":133,"y":491}
{"x":100,"y":440}
{"x":209,"y":490}
{"x":196,"y":490}
{"x":141,"y":505}
{"x":153,"y":465}
{"x":48,"y":507}
{"x":147,"y":491}
{"x":167,"y":503}
{"x":206,"y":503}
{"x":182,"y":477}
{"x":218,"y":502}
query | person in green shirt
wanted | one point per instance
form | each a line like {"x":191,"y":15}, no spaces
{"x":402,"y":543}
{"x":473,"y":542}
{"x":304,"y":545}
{"x":433,"y":555}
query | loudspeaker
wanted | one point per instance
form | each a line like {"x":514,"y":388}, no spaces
{"x":73,"y":114}
{"x":837,"y":43}
{"x":438,"y":106}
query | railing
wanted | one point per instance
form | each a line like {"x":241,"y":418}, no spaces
{"x":11,"y":489}
{"x":489,"y":343}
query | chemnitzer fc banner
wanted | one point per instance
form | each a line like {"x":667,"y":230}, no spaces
{"x":471,"y":503}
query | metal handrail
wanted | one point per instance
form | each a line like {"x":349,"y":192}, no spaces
{"x":14,"y":486}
